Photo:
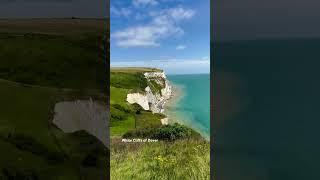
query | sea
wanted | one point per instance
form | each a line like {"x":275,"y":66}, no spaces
{"x":267,"y":117}
{"x":191,"y":105}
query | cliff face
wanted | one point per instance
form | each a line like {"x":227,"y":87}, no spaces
{"x":89,"y":115}
{"x":156,"y":93}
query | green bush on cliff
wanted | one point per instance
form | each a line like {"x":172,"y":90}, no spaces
{"x":166,"y":133}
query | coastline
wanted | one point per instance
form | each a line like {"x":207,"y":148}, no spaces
{"x":173,"y":116}
{"x":177,"y":95}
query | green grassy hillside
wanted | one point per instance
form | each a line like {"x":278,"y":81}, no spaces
{"x":36,"y":71}
{"x":180,"y":153}
{"x":182,"y":159}
{"x":124,"y":116}
{"x":53,"y":60}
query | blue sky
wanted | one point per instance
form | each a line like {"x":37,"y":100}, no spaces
{"x":173,"y":35}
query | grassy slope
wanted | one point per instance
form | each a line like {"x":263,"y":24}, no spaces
{"x":134,"y":70}
{"x":123,"y":116}
{"x":31,"y":144}
{"x":26,"y":111}
{"x":65,"y":59}
{"x":186,"y":159}
{"x":182,"y":159}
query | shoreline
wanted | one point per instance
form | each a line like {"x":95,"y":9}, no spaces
{"x":176,"y":96}
{"x":174,"y":117}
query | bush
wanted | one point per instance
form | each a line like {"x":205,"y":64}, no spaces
{"x":166,"y":133}
{"x":26,"y":143}
{"x":19,"y":174}
{"x":141,"y":133}
{"x":137,"y":108}
{"x":90,"y":160}
{"x":29,"y":144}
{"x":121,"y":108}
{"x":55,"y":157}
{"x":117,"y":115}
{"x":174,"y":132}
{"x":89,"y":143}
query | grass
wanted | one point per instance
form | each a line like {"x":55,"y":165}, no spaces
{"x":147,"y":119}
{"x":25,"y":115}
{"x":125,"y":120}
{"x":118,"y":96}
{"x":180,"y":153}
{"x":124,"y":116}
{"x":25,"y":110}
{"x":53,"y":60}
{"x":185,"y":159}
{"x":134,"y":82}
{"x":134,"y":70}
{"x":154,"y":86}
{"x":63,"y":26}
{"x":118,"y":128}
{"x":43,"y":62}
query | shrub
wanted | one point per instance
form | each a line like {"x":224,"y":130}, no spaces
{"x":117,"y":115}
{"x":166,"y":133}
{"x":16,"y":173}
{"x":55,"y":157}
{"x":142,"y":133}
{"x":28,"y":143}
{"x":90,"y":160}
{"x":137,"y":108}
{"x":173,"y":132}
{"x":121,"y":108}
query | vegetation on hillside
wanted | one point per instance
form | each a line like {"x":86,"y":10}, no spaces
{"x":53,"y":60}
{"x":155,"y":87}
{"x":165,"y":133}
{"x":179,"y":153}
{"x":38,"y":69}
{"x":181,"y":159}
{"x":135,"y":82}
{"x":134,"y":70}
{"x":125,"y":116}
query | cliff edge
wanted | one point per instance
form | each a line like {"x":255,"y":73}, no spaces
{"x":155,"y":95}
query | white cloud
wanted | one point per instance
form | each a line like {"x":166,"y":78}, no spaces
{"x":180,"y":13}
{"x":140,"y":3}
{"x":164,"y":24}
{"x":144,"y":35}
{"x":181,"y":47}
{"x":120,"y":12}
{"x":174,"y":14}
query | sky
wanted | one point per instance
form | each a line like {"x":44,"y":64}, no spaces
{"x":261,"y":19}
{"x":54,"y":8}
{"x":173,"y":35}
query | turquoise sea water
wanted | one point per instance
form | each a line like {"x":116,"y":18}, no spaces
{"x":192,"y":108}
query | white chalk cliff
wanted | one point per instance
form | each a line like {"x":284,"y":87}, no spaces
{"x":89,"y":115}
{"x":153,"y":101}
